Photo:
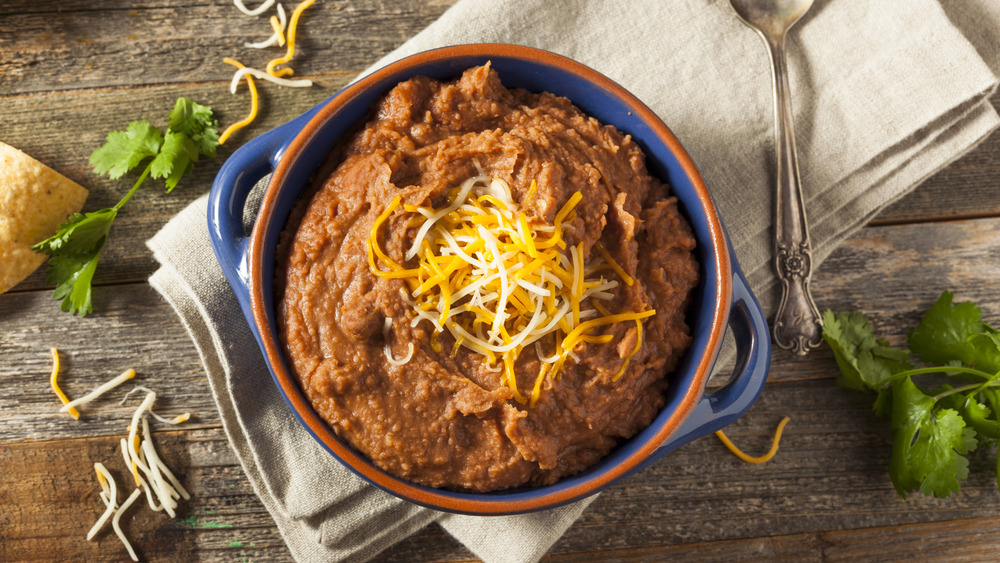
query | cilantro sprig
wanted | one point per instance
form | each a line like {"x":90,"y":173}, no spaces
{"x":934,"y":428}
{"x":76,"y":247}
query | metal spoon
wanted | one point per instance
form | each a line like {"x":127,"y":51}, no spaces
{"x":797,"y":322}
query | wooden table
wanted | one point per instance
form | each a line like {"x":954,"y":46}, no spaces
{"x":72,"y":71}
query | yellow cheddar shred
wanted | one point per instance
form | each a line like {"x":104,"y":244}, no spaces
{"x":290,"y":40}
{"x":614,"y":265}
{"x":759,"y":459}
{"x":638,"y":344}
{"x":531,"y":193}
{"x":395,"y":270}
{"x":135,"y":453}
{"x":499,"y":282}
{"x":54,"y":380}
{"x":278,"y":30}
{"x":254,"y":104}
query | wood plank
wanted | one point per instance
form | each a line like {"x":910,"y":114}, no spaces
{"x":957,"y":540}
{"x":828,"y":475}
{"x":64,"y":46}
{"x":132,"y":328}
{"x":62,"y":124}
{"x":957,"y":256}
{"x":224,"y":520}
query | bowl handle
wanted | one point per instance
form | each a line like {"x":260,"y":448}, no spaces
{"x":753,"y":356}
{"x":229,"y":193}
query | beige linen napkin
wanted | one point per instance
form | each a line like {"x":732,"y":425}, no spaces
{"x":886,"y":92}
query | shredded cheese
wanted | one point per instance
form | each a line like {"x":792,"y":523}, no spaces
{"x":254,"y":104}
{"x":117,"y":526}
{"x":388,"y":349}
{"x":100,"y":390}
{"x":290,"y":39}
{"x":500,"y":283}
{"x":278,"y":37}
{"x":54,"y":381}
{"x":759,"y":459}
{"x":279,"y":25}
{"x":150,"y":473}
{"x":240,"y":73}
{"x":279,"y":30}
{"x":109,"y":495}
{"x":256,"y":11}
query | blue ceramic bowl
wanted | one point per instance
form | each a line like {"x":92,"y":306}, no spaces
{"x":294,"y":151}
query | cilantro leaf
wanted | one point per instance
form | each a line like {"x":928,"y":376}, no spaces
{"x":928,"y":443}
{"x":956,"y":332}
{"x":936,"y":454}
{"x":197,"y":122}
{"x":177,"y":157}
{"x":124,"y":150}
{"x":911,"y":409}
{"x":978,"y":416}
{"x":73,"y":273}
{"x":75,"y":250}
{"x":866,"y":362}
{"x":932,"y":430}
{"x":76,"y":247}
{"x":80,"y":234}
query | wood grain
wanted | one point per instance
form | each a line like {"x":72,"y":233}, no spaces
{"x":829,"y":475}
{"x":65,"y":46}
{"x":956,"y":540}
{"x":224,"y":520}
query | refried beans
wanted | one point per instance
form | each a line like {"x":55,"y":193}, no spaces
{"x":432,"y":408}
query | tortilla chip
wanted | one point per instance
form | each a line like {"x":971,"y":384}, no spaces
{"x":34,"y":200}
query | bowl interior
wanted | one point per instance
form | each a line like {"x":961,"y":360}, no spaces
{"x":595,"y":95}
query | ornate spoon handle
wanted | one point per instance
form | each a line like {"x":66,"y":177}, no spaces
{"x":797,"y":323}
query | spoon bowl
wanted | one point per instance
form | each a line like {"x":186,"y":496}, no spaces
{"x":771,"y":17}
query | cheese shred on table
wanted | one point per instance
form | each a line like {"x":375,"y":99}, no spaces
{"x":162,"y":488}
{"x":283,"y":35}
{"x":54,"y":381}
{"x":115,"y":523}
{"x":254,"y":104}
{"x":290,"y":41}
{"x":99,"y":390}
{"x":150,"y":473}
{"x":109,"y":495}
{"x":278,"y":25}
{"x":758,"y":459}
{"x":256,"y":11}
{"x":500,"y":283}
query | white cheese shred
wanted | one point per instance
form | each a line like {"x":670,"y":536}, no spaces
{"x":100,"y":390}
{"x":150,"y":472}
{"x":388,"y":351}
{"x":109,"y":495}
{"x":117,"y":527}
{"x":276,"y":38}
{"x":240,"y":73}
{"x":256,"y":11}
